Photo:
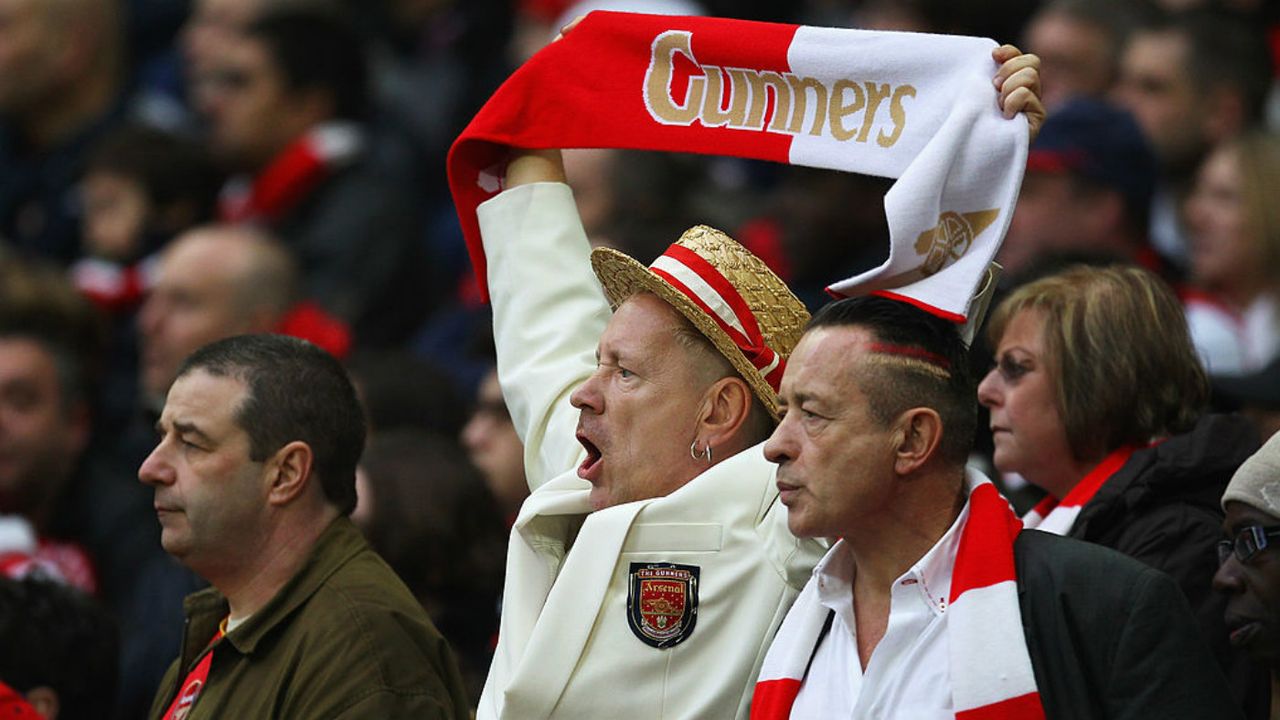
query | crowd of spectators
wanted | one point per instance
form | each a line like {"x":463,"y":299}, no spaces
{"x":174,"y":173}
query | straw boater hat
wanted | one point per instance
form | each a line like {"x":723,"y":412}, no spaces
{"x":730,"y":295}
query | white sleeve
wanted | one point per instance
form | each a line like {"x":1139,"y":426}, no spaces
{"x":548,"y":315}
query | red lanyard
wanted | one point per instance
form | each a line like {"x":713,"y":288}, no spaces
{"x":194,"y":684}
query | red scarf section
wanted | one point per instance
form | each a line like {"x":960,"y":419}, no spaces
{"x":291,"y":176}
{"x":557,"y":99}
{"x":194,"y":683}
{"x":310,"y":322}
{"x":13,"y":706}
{"x":1057,"y":516}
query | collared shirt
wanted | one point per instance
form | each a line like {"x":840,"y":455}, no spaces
{"x":908,"y":675}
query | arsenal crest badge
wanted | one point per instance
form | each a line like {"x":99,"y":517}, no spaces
{"x":662,"y":602}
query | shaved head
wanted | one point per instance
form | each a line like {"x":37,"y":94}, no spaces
{"x":213,"y":282}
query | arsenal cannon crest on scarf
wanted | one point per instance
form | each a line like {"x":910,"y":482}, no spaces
{"x":662,"y":603}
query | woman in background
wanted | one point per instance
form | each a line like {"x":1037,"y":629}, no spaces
{"x":1097,"y":398}
{"x":1234,"y":223}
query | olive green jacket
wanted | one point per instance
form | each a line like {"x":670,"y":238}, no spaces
{"x":343,"y":639}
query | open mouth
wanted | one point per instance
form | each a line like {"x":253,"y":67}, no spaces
{"x":590,"y":468}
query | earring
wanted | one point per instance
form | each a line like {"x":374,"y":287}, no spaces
{"x":700,"y":455}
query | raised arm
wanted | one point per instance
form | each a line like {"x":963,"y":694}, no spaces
{"x":534,"y":166}
{"x":548,"y":309}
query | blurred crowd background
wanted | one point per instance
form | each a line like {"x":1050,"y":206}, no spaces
{"x":177,"y":171}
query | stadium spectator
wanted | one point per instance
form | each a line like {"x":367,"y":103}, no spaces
{"x":1079,"y":44}
{"x":1191,"y":80}
{"x":254,"y":477}
{"x":934,"y":603}
{"x":218,"y":281}
{"x":491,"y":441}
{"x":57,"y":652}
{"x":61,"y":88}
{"x":1097,"y":397}
{"x":287,"y":118}
{"x":1087,"y":190}
{"x":49,"y":347}
{"x":427,"y":512}
{"x":1249,"y":569}
{"x":1235,"y":245}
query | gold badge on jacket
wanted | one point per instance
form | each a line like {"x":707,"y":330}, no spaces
{"x":662,"y":602}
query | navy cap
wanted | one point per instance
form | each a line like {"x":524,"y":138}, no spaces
{"x":1098,"y":142}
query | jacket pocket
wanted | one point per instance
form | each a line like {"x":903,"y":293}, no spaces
{"x":673,"y":538}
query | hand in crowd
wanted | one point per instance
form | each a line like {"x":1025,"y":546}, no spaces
{"x":1018,"y":80}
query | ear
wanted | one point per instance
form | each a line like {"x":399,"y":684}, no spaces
{"x":290,"y":470}
{"x":917,"y":436}
{"x":725,"y":407}
{"x":45,"y":701}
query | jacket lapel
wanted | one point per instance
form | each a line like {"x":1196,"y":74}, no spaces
{"x":549,"y":636}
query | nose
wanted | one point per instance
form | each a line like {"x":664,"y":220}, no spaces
{"x":587,"y":396}
{"x":156,"y":469}
{"x":474,"y":432}
{"x":988,"y":390}
{"x":779,"y":449}
{"x":1227,"y":579}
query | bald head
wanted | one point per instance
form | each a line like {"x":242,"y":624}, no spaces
{"x":212,"y":283}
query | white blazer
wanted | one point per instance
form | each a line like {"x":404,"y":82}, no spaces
{"x":659,"y":608}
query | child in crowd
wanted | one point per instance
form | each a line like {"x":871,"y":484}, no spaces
{"x":141,"y":187}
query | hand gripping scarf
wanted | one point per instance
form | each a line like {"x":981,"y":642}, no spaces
{"x":991,"y":674}
{"x":919,"y":108}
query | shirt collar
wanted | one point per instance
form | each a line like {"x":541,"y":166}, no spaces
{"x":931,"y":574}
{"x":337,"y":545}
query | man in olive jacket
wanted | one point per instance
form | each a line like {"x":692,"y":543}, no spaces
{"x":254,"y":475}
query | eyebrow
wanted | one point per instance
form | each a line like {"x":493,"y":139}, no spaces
{"x":800,"y":399}
{"x":183,"y":428}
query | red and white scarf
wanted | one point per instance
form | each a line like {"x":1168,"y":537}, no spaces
{"x":113,"y":286}
{"x":291,"y":175}
{"x":919,"y":108}
{"x":1056,"y":516}
{"x":991,"y":673}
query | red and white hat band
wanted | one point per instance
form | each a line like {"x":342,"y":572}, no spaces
{"x":699,"y":281}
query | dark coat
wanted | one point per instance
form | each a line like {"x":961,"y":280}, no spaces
{"x":1163,"y":508}
{"x":343,"y":639}
{"x":1112,"y":638}
{"x":357,"y":236}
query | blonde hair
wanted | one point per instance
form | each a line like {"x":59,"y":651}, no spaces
{"x":1119,"y":352}
{"x":1257,"y":156}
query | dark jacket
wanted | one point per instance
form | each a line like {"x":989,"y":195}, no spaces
{"x":343,"y":639}
{"x":1112,"y":638}
{"x":1163,"y":508}
{"x":358,"y":239}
